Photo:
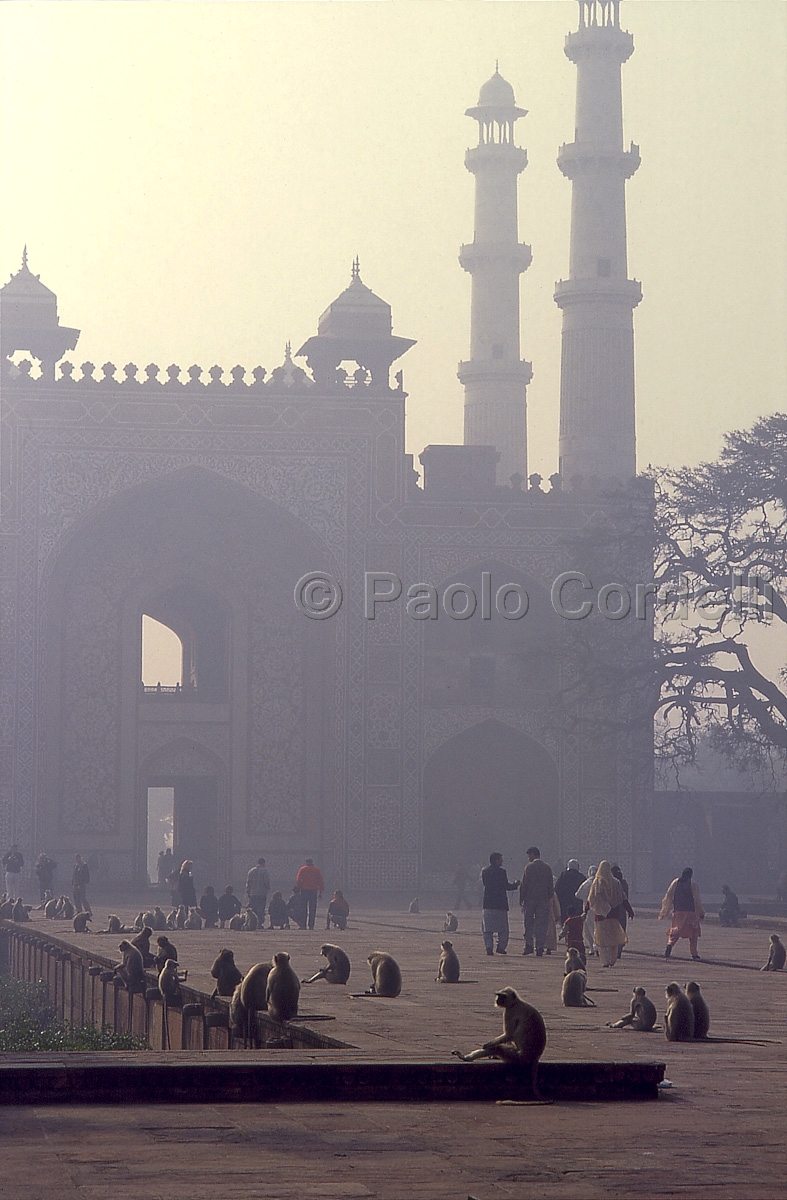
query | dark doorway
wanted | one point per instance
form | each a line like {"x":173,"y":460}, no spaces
{"x":195,"y":822}
{"x":489,"y":788}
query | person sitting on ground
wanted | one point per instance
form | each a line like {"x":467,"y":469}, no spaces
{"x":277,"y":912}
{"x":209,"y":907}
{"x":730,"y":912}
{"x":228,"y":904}
{"x":297,"y":908}
{"x":338,"y":911}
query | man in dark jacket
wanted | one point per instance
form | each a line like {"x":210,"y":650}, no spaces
{"x":79,"y":881}
{"x":495,"y":903}
{"x":534,"y":896}
{"x":566,"y":886}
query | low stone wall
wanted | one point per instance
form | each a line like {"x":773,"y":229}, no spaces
{"x":83,"y":990}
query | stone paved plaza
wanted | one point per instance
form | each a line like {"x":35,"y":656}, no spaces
{"x":716,"y":1134}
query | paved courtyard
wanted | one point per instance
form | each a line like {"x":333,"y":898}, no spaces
{"x":717,"y":1133}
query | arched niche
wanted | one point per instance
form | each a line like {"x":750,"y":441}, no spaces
{"x":217,"y":563}
{"x":198,"y":779}
{"x":489,"y":788}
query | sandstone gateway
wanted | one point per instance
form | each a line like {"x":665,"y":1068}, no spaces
{"x":389,"y":748}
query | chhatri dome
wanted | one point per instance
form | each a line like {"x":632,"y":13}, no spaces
{"x":496,"y":96}
{"x":357,"y":312}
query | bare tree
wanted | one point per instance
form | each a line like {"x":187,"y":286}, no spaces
{"x":720,"y":558}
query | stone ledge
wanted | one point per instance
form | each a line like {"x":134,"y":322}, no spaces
{"x":149,"y":1077}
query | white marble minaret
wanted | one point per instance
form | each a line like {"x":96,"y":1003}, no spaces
{"x":597,"y":434}
{"x":495,"y":380}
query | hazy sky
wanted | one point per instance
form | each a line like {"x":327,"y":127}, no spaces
{"x":194,"y":179}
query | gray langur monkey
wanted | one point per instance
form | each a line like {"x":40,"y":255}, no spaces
{"x":142,"y":943}
{"x":251,"y":921}
{"x":158,"y":920}
{"x":701,"y":1010}
{"x":7,"y":909}
{"x":65,"y":909}
{"x":777,"y":955}
{"x":679,"y":1017}
{"x":139,"y":922}
{"x":386,"y":975}
{"x":181,"y":917}
{"x":50,"y":911}
{"x":226,"y":973}
{"x":573,"y":991}
{"x":114,"y":925}
{"x":171,"y":993}
{"x":451,"y":923}
{"x":131,"y":970}
{"x":148,"y":918}
{"x":448,"y":966}
{"x":249,"y":997}
{"x":166,"y":951}
{"x":81,"y":921}
{"x":172,"y":918}
{"x":414,"y":906}
{"x":338,"y":969}
{"x":20,"y":912}
{"x":283,"y":989}
{"x":236,"y":923}
{"x":573,"y":962}
{"x":193,"y":920}
{"x":641,"y":1016}
{"x":523,"y":1039}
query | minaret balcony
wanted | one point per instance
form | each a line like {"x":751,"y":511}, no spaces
{"x":479,"y":255}
{"x":494,"y":370}
{"x":496,"y":156}
{"x":599,"y":41}
{"x":626,"y":292}
{"x":586,"y":158}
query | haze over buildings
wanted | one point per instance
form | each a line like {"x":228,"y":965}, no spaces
{"x":194,"y":179}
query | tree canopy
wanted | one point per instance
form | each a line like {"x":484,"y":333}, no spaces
{"x":720,"y":557}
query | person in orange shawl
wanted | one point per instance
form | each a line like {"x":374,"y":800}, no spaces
{"x":605,"y":894}
{"x":683,"y":902}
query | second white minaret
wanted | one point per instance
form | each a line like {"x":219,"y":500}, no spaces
{"x":494,"y":379}
{"x":597,"y":434}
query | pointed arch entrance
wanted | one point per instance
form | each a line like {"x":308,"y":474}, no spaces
{"x":197,"y":778}
{"x":488,"y":788}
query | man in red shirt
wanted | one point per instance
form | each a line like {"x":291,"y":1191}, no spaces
{"x":309,"y":880}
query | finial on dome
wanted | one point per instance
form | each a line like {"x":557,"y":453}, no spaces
{"x":497,"y":66}
{"x":24,"y":256}
{"x":288,"y":352}
{"x":356,"y":272}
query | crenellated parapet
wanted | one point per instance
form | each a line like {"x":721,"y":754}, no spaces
{"x":215,"y":379}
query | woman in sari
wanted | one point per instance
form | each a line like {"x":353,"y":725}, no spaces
{"x":605,"y":895}
{"x":683,"y":902}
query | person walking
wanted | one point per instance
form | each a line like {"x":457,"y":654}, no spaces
{"x":80,"y":878}
{"x":622,"y":911}
{"x":45,"y":872}
{"x":12,"y":865}
{"x":682,"y":900}
{"x":581,"y":899}
{"x":605,"y":896}
{"x":494,"y":905}
{"x":185,"y":887}
{"x":310,"y":882}
{"x":535,"y":895}
{"x":566,"y":886}
{"x":258,"y":884}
